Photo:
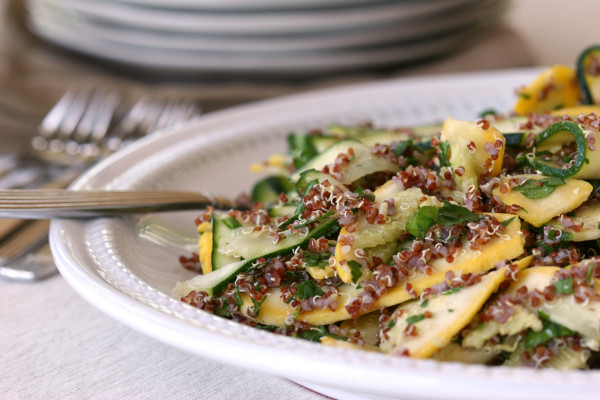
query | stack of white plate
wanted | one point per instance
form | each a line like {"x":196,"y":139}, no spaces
{"x":282,"y":37}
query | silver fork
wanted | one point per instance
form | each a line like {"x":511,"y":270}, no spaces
{"x":75,"y":133}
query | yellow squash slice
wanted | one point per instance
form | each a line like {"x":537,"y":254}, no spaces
{"x":205,"y":245}
{"x":467,"y":142}
{"x":274,"y":310}
{"x":588,"y":215}
{"x":554,"y":88}
{"x":435,"y":324}
{"x":583,"y":318}
{"x":366,"y":235}
{"x":537,"y":212}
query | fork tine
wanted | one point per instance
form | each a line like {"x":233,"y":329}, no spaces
{"x":74,"y":115}
{"x":85,"y":126}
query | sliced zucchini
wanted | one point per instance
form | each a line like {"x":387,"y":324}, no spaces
{"x":222,"y":232}
{"x":537,"y":211}
{"x":362,"y":164}
{"x":311,"y":175}
{"x":268,"y":189}
{"x":243,"y":242}
{"x":217,"y":280}
{"x":282,"y":210}
{"x":588,"y":74}
{"x":211,"y":283}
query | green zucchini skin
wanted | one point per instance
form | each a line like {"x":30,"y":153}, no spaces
{"x":576,"y":131}
{"x":581,"y":74}
{"x":220,"y":231}
{"x":268,"y":189}
{"x":325,"y":228}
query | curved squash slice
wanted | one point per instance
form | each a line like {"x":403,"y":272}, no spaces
{"x":537,"y":211}
{"x":424,"y":330}
{"x":588,"y":215}
{"x":583,"y":318}
{"x":274,"y":310}
{"x":567,"y":358}
{"x":366,"y":235}
{"x":468,"y":142}
{"x":522,"y":319}
{"x":554,"y":88}
{"x":453,"y":352}
{"x":363,"y":162}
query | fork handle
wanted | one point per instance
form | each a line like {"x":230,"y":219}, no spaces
{"x":51,"y":203}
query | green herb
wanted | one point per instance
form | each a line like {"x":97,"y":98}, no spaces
{"x":237,"y":297}
{"x":402,"y":146}
{"x":444,"y":153}
{"x":549,"y":331}
{"x":564,"y":286}
{"x":590,"y":272}
{"x":420,"y":222}
{"x":450,"y":310}
{"x":452,"y":214}
{"x":524,"y":95}
{"x":231,"y":223}
{"x":301,"y":206}
{"x":415,"y":318}
{"x":270,"y":328}
{"x":355,"y":270}
{"x":359,"y":190}
{"x":551,"y":234}
{"x":301,"y":148}
{"x":424,"y":303}
{"x":293,"y":275}
{"x":308,"y":289}
{"x":487,"y":112}
{"x":310,"y":221}
{"x":315,"y":334}
{"x":311,"y":335}
{"x":452,"y":291}
{"x":427,"y":216}
{"x":256,"y":305}
{"x":508,"y":221}
{"x":391,"y":324}
{"x":538,"y":189}
{"x":315,"y":260}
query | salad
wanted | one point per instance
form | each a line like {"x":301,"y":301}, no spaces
{"x":471,"y":241}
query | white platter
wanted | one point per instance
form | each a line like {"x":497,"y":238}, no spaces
{"x":127,"y":266}
{"x":153,"y":40}
{"x":295,"y":63}
{"x":268,"y":22}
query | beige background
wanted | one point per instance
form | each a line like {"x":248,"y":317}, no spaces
{"x":555,"y":31}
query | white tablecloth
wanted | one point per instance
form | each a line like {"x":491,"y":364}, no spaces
{"x":54,"y":345}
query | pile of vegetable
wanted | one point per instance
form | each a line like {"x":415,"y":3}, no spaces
{"x":471,"y":241}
